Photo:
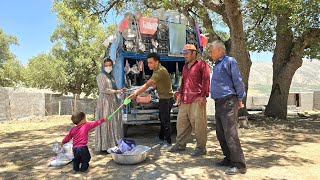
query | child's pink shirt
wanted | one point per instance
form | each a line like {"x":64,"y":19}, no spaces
{"x":79,"y":133}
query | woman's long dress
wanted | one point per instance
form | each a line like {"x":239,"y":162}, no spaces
{"x":107,"y":134}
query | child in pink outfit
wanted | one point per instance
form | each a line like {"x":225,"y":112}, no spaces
{"x":79,"y":134}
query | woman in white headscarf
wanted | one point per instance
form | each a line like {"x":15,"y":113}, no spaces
{"x":107,"y":135}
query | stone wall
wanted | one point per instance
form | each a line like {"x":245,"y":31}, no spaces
{"x":4,"y":104}
{"x":20,"y":103}
{"x":257,"y":102}
{"x":306,"y":101}
{"x":316,"y":100}
{"x":25,"y":104}
{"x":292,"y":100}
{"x":64,"y":104}
{"x":17,"y":103}
{"x":301,"y":101}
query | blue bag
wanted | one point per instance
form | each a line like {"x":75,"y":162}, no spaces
{"x":125,"y":145}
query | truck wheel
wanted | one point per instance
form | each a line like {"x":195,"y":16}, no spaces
{"x":125,"y":129}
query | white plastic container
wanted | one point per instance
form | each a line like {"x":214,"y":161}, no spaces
{"x":159,"y":13}
{"x":124,"y":116}
{"x":173,"y":16}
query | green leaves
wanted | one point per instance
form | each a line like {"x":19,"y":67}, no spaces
{"x":46,"y":72}
{"x":11,"y":73}
{"x":5,"y":42}
{"x":73,"y":62}
{"x":262,"y":17}
{"x":10,"y":69}
{"x":78,"y":43}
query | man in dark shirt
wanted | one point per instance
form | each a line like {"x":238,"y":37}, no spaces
{"x":162,"y":80}
{"x":192,"y":95}
{"x":227,"y":89}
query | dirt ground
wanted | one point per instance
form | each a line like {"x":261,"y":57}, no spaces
{"x":273,"y":149}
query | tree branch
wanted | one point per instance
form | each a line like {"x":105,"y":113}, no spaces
{"x":217,"y":7}
{"x":309,"y":37}
{"x":150,"y":5}
{"x":207,"y":23}
{"x":106,"y":9}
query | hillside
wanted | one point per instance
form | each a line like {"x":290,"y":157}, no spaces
{"x":306,"y":78}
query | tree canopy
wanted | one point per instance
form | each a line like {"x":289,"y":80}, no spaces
{"x":78,"y":41}
{"x":10,"y":68}
{"x":5,"y":42}
{"x":301,"y":17}
{"x":45,"y":72}
{"x":11,"y":73}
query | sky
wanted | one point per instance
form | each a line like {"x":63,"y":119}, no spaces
{"x":33,"y":22}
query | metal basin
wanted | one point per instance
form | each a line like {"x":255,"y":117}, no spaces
{"x":129,"y":159}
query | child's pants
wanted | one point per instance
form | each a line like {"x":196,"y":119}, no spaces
{"x":81,"y":156}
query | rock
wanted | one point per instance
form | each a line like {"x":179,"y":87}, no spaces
{"x":244,"y":122}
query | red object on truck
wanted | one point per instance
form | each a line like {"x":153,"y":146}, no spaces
{"x":148,"y":25}
{"x":124,"y":24}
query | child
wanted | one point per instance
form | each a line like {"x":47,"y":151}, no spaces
{"x":79,"y":133}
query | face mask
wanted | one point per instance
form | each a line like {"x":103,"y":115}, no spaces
{"x":108,"y":69}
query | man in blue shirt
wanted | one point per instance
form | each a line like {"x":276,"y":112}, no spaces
{"x":227,"y":89}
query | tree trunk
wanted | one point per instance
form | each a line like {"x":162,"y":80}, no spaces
{"x":74,"y":104}
{"x":238,"y":43}
{"x":77,"y":87}
{"x":287,"y":58}
{"x":277,"y":105}
{"x":278,"y":101}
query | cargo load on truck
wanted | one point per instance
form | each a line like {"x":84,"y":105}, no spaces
{"x":165,"y":32}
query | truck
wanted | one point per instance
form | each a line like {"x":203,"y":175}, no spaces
{"x":129,"y":48}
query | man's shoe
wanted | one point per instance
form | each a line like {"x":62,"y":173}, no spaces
{"x":224,"y":162}
{"x":199,"y":152}
{"x":159,"y":141}
{"x":176,"y":148}
{"x":235,"y":170}
{"x":166,"y":145}
{"x":74,"y":171}
{"x":86,"y":171}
